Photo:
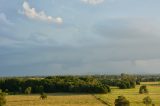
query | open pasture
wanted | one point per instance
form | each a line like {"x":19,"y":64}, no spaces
{"x":68,"y":99}
{"x":133,"y":94}
{"x":58,"y":99}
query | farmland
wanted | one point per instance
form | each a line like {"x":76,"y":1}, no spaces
{"x":73,"y":99}
{"x":133,"y":94}
{"x":57,"y":99}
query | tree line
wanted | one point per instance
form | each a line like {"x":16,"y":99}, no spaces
{"x":124,"y":81}
{"x":81,"y":84}
{"x":54,"y":84}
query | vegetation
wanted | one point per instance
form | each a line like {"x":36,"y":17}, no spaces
{"x":55,"y":84}
{"x":43,"y":96}
{"x":124,"y":81}
{"x":130,"y":86}
{"x":28,"y":90}
{"x":147,"y":100}
{"x":121,"y":101}
{"x":143,"y":89}
{"x":133,"y":94}
{"x":77,"y":99}
{"x":77,"y":84}
{"x":2,"y":98}
{"x":55,"y":99}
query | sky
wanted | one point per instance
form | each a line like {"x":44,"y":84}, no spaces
{"x":77,"y":37}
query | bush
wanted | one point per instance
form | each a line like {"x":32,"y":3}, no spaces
{"x":2,"y":98}
{"x":147,"y":100}
{"x":132,"y":84}
{"x":108,"y":88}
{"x":122,"y":101}
{"x":28,"y":90}
{"x":43,"y":96}
{"x":122,"y":85}
{"x":138,"y":82}
{"x":143,"y":89}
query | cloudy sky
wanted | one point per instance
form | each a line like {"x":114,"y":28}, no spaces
{"x":50,"y":37}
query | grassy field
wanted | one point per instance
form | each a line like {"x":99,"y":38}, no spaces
{"x":54,"y":100}
{"x":133,"y":96}
{"x":64,"y":99}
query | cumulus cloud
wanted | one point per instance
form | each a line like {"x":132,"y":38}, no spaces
{"x":33,"y":14}
{"x":4,"y":19}
{"x":93,"y":2}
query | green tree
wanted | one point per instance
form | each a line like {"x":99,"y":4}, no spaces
{"x":129,"y":79}
{"x":123,"y":85}
{"x":39,"y":89}
{"x":143,"y":89}
{"x":147,"y":100}
{"x":28,"y":90}
{"x":122,"y":101}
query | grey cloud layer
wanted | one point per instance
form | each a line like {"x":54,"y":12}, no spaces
{"x":99,"y":56}
{"x":124,"y":28}
{"x":108,"y":45}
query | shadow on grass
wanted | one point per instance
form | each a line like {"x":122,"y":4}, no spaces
{"x":22,"y":101}
{"x":68,"y":94}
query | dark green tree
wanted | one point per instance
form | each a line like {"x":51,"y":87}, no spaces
{"x":143,"y":89}
{"x":43,"y":96}
{"x":147,"y":100}
{"x":138,"y":82}
{"x":39,"y":89}
{"x":122,"y":101}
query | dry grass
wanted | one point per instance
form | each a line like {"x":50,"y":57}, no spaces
{"x":59,"y":99}
{"x":133,"y":94}
{"x":64,"y":99}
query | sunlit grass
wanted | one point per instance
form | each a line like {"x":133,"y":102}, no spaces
{"x":59,"y":99}
{"x":133,"y":94}
{"x":67,"y":99}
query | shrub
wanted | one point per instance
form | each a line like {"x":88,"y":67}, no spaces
{"x":132,"y":84}
{"x":147,"y":100}
{"x":28,"y":90}
{"x":2,"y":98}
{"x":143,"y":89}
{"x":122,"y":101}
{"x":122,"y":85}
{"x":108,"y":88}
{"x":138,"y":82}
{"x":43,"y":96}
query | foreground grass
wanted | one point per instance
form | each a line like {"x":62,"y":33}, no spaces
{"x":58,"y":99}
{"x":133,"y":94}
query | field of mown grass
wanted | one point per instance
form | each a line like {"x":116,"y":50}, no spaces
{"x":67,"y":99}
{"x":58,"y":99}
{"x":133,"y":96}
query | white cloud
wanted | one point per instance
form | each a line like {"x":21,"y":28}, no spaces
{"x":33,"y":14}
{"x":4,"y":20}
{"x":93,"y":2}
